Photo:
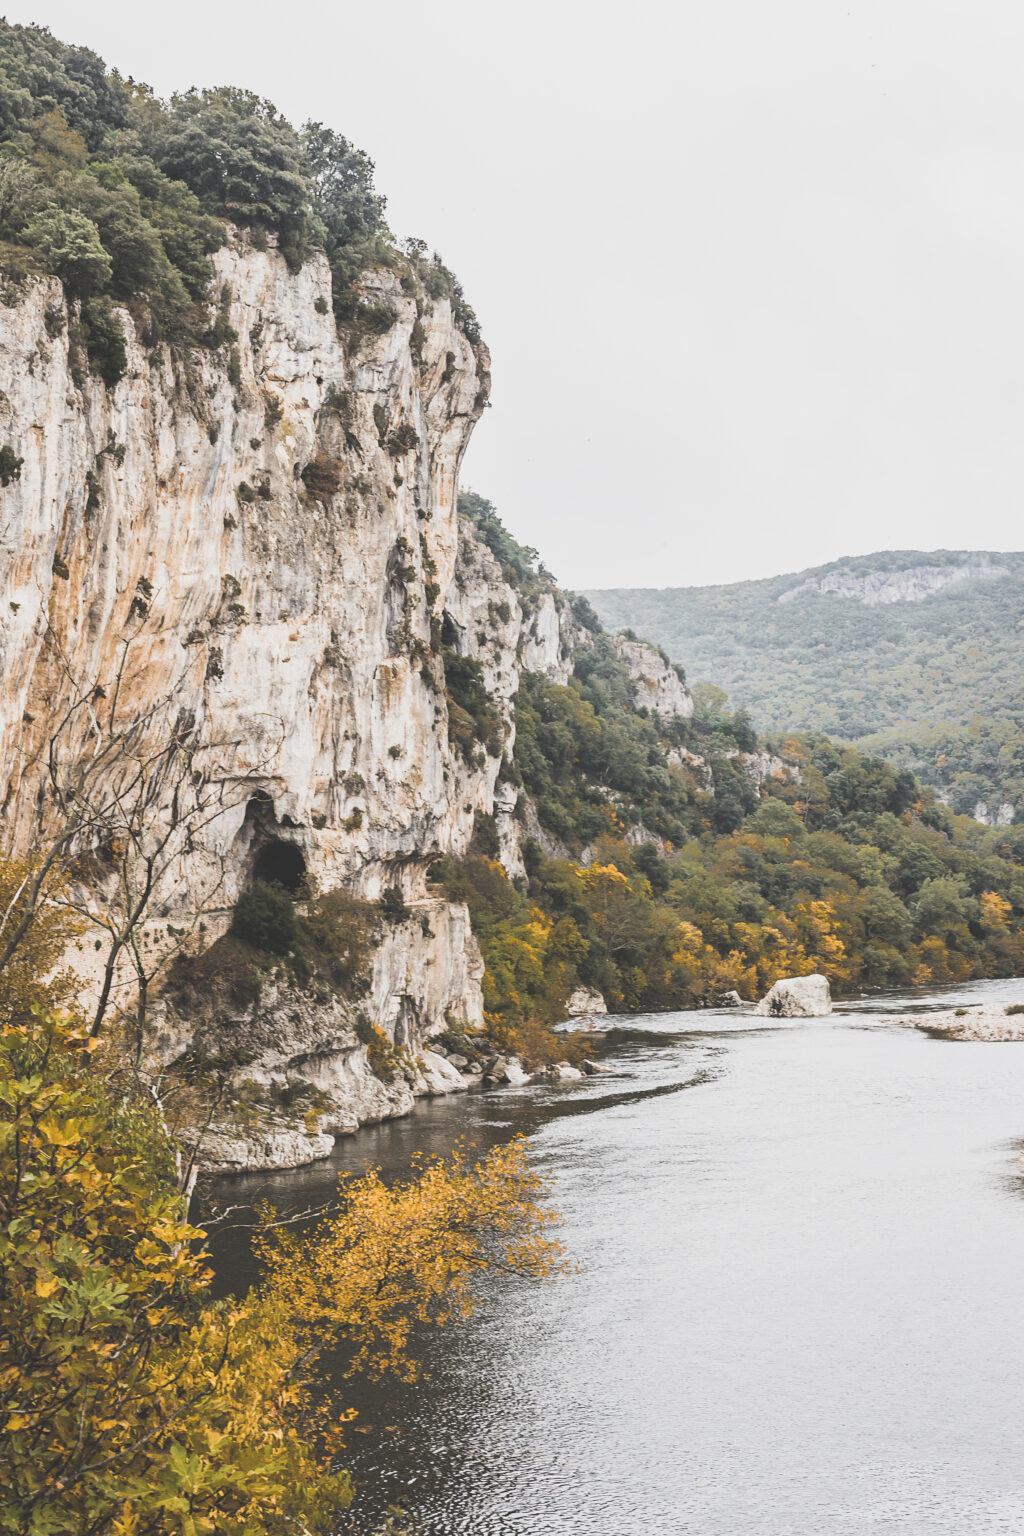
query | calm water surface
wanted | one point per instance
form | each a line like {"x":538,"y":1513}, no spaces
{"x":799,"y":1307}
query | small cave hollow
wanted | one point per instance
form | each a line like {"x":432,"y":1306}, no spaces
{"x":281,"y":863}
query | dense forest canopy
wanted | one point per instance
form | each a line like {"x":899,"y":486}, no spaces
{"x":124,"y":197}
{"x":933,"y":684}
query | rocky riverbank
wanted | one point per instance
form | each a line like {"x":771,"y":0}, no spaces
{"x":265,"y":1137}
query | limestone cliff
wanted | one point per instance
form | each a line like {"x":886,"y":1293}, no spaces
{"x":289,"y":616}
{"x":254,"y":548}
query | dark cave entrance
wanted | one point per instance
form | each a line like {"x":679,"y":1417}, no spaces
{"x":280,"y":863}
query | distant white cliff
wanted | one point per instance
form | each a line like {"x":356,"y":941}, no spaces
{"x":911,"y":585}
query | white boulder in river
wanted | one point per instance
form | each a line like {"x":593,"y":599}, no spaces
{"x":797,"y":997}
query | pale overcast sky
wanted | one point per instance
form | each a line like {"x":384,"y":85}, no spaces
{"x":751,"y":271}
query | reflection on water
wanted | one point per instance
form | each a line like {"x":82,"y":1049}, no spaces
{"x":797,"y":1309}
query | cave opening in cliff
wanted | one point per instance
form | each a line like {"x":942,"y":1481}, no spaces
{"x":281,"y":863}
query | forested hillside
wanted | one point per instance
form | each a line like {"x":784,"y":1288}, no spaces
{"x":672,"y":860}
{"x":916,"y":655}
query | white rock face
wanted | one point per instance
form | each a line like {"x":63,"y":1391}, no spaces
{"x":764,"y":765}
{"x":269,"y":1146}
{"x":994,"y":815}
{"x":797,"y":997}
{"x":656,"y":685}
{"x":758,"y":767}
{"x":291,"y":1038}
{"x":697,"y":769}
{"x":485,"y":620}
{"x":256,"y":550}
{"x":912,"y":585}
{"x":163,"y":529}
{"x":296,"y":628}
{"x":424,"y":968}
{"x":586,"y":1000}
{"x":550,"y":638}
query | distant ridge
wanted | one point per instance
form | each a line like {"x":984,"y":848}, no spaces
{"x":917,"y":654}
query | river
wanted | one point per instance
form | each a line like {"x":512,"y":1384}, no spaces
{"x":798,"y":1308}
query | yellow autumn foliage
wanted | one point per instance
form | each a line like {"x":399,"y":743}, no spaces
{"x":36,"y":974}
{"x":133,"y":1405}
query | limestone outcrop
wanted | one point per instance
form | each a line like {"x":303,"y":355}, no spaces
{"x":656,"y":684}
{"x":998,"y":814}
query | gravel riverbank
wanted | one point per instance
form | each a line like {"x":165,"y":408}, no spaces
{"x":994,"y":1023}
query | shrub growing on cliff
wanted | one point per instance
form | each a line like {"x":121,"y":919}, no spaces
{"x":350,"y":214}
{"x":10,"y":465}
{"x":384,"y":1058}
{"x":264,"y":917}
{"x":520,"y":563}
{"x":473,"y":721}
{"x":334,"y":937}
{"x":103,"y":336}
{"x":392,"y":905}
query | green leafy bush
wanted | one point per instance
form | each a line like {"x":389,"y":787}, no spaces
{"x":103,"y":335}
{"x":239,"y":156}
{"x":264,"y":917}
{"x":69,"y":244}
{"x":334,"y":938}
